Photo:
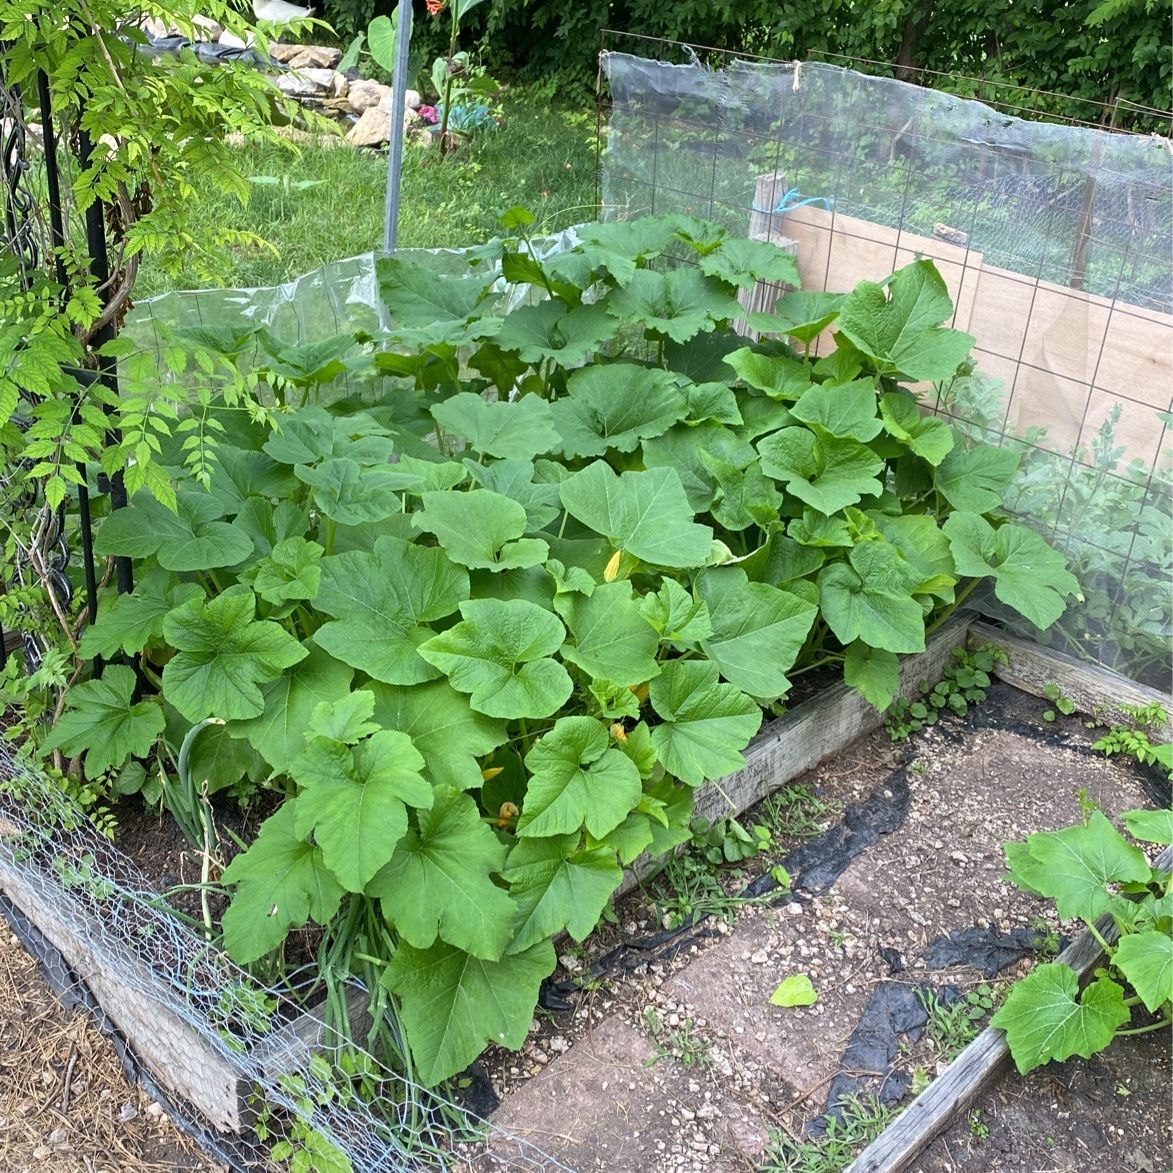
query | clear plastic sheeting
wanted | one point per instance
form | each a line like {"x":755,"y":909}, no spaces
{"x":241,"y":1066}
{"x":1055,"y":242}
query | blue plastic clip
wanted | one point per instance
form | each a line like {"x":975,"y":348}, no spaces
{"x":791,"y":200}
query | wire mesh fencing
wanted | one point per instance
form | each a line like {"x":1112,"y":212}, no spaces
{"x":250,"y":1070}
{"x":1054,"y":241}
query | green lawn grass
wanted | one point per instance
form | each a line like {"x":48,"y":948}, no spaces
{"x":542,"y":157}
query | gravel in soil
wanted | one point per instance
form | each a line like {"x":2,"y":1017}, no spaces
{"x":678,"y":1061}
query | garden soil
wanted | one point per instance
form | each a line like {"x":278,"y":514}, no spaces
{"x":65,"y":1104}
{"x":681,"y":1063}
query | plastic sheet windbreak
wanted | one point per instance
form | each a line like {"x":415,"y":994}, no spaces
{"x":1055,"y":242}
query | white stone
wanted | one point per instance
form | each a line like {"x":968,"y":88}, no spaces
{"x":365,"y":94}
{"x":314,"y":57}
{"x":303,"y":85}
{"x":208,"y":29}
{"x":373,"y":129}
{"x":232,"y":41}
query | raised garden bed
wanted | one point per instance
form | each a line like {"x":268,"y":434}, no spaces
{"x":194,"y":1062}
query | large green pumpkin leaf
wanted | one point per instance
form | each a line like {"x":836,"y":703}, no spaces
{"x":312,"y":434}
{"x":238,"y":474}
{"x":218,"y":760}
{"x":929,"y":436}
{"x":577,"y":780}
{"x":745,"y":496}
{"x":511,"y":431}
{"x":500,"y":655}
{"x":350,"y":493}
{"x":925,"y":548}
{"x":191,"y":538}
{"x":354,"y":798}
{"x":278,"y":734}
{"x":549,"y":330}
{"x":1028,"y":575}
{"x":1146,"y":960}
{"x":416,"y":295}
{"x":612,"y":641}
{"x":617,"y":245}
{"x":480,"y":529}
{"x":127,"y":623}
{"x":515,"y":479}
{"x":439,"y":881}
{"x":1075,"y":866}
{"x":645,"y":514}
{"x":976,"y":479}
{"x":778,"y":376}
{"x":872,"y":672}
{"x":223,"y":656}
{"x":291,"y":571}
{"x":281,"y":883}
{"x":823,"y":471}
{"x":676,"y":615}
{"x":678,"y":304}
{"x":802,"y":314}
{"x":442,"y":726}
{"x":1151,"y":826}
{"x":758,"y":630}
{"x":615,"y":405}
{"x":452,"y":1004}
{"x":381,"y":601}
{"x":104,"y":722}
{"x":706,"y":724}
{"x":711,"y":401}
{"x":559,"y":884}
{"x":847,"y":410}
{"x":900,"y":330}
{"x":1047,"y":1019}
{"x":870,"y":598}
{"x":698,"y":453}
{"x":746,"y":262}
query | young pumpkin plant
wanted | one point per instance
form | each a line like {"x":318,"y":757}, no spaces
{"x":498,"y":589}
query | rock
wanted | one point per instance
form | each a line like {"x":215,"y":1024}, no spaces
{"x":155,"y":28}
{"x":373,"y":129}
{"x":207,"y":28}
{"x":284,"y":53}
{"x":127,"y":1112}
{"x":411,"y":99}
{"x":232,"y":41}
{"x":365,"y":94}
{"x":305,"y":85}
{"x":314,"y":57}
{"x":340,"y":84}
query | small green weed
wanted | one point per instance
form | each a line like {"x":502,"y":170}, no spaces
{"x":1060,"y":700}
{"x":977,"y":1126}
{"x":681,"y":1043}
{"x":863,"y":1119}
{"x":950,"y":1029}
{"x":1134,"y":738}
{"x":962,"y":684}
{"x":797,"y":812}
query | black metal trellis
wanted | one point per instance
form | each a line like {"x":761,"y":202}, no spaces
{"x":36,"y":236}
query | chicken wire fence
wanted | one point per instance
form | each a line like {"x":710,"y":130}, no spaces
{"x":1055,"y":242}
{"x":232,"y":1058}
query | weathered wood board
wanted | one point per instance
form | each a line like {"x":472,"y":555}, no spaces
{"x":176,"y":1055}
{"x":797,"y":742}
{"x":1095,"y":691}
{"x":982,"y":1062}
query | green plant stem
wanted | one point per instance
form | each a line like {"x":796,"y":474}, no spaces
{"x":1144,"y":1030}
{"x":962,"y":595}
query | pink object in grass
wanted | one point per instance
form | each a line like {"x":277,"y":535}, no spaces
{"x":428,"y":114}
